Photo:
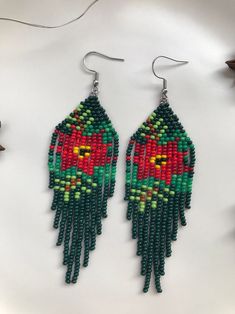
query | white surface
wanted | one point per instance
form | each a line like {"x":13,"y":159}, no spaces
{"x":41,"y":82}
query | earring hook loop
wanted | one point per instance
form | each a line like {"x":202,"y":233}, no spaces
{"x":160,"y":77}
{"x":96,"y":74}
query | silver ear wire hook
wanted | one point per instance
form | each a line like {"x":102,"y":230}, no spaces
{"x":164,"y":86}
{"x":94,"y":90}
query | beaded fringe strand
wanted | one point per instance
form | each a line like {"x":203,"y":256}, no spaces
{"x":82,"y":165}
{"x":160,"y":161}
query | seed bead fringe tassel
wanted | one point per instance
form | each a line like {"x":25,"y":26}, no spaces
{"x":82,"y":165}
{"x":160,"y":161}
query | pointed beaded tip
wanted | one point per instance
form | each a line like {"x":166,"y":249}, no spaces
{"x":1,"y":147}
{"x":231,"y":64}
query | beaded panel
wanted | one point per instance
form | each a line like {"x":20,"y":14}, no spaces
{"x":160,"y":161}
{"x":82,"y":165}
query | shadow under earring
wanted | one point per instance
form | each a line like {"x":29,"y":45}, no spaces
{"x":82,"y":165}
{"x":160,"y":161}
{"x":1,"y":147}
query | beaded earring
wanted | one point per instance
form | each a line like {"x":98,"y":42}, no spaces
{"x":160,"y":161}
{"x":1,"y":147}
{"x":82,"y":166}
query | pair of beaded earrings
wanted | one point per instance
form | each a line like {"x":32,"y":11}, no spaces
{"x":82,"y":163}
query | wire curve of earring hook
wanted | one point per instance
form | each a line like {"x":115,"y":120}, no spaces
{"x":95,"y":90}
{"x":160,"y":77}
{"x":100,"y":55}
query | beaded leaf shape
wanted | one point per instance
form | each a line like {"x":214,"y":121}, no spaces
{"x":82,"y":165}
{"x":160,"y":161}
